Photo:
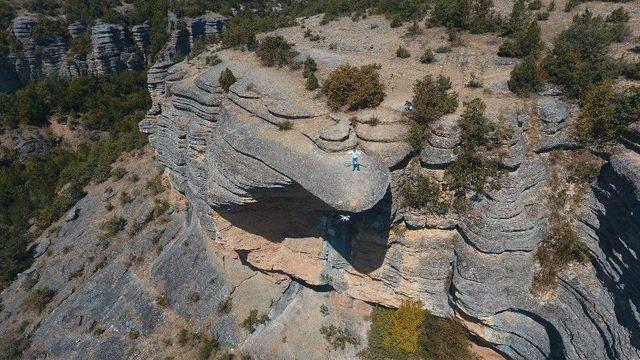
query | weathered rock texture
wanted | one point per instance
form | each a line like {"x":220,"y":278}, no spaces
{"x":129,"y":294}
{"x":274,"y":197}
{"x":113,"y":49}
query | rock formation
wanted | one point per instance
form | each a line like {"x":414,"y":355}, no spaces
{"x":242,"y":174}
{"x":112,"y":49}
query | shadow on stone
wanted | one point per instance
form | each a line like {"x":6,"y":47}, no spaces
{"x":293,"y":212}
{"x":618,"y":234}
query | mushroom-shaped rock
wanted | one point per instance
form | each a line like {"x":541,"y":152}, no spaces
{"x":328,"y":176}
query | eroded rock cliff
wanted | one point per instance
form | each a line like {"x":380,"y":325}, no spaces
{"x":275,"y":197}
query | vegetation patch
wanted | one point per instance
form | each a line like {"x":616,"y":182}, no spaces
{"x":579,"y":58}
{"x":275,"y":51}
{"x":432,"y":99}
{"x":524,"y":42}
{"x":411,"y":332}
{"x":353,"y":87}
{"x":559,"y":248}
{"x":38,"y":299}
{"x":253,"y":321}
{"x":113,"y":226}
{"x":424,"y":193}
{"x":477,"y":16}
{"x":226,"y":79}
{"x":472,"y":170}
{"x":605,"y":114}
{"x":46,"y":187}
{"x":338,"y":338}
{"x":526,"y":77}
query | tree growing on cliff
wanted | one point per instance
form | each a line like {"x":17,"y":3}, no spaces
{"x":353,"y":87}
{"x":226,"y":79}
{"x":432,"y":99}
{"x":605,"y":114}
{"x":472,"y":170}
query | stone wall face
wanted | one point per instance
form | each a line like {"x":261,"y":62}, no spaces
{"x":113,"y":49}
{"x":243,"y":176}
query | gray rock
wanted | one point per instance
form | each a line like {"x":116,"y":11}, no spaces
{"x":337,"y":132}
{"x":72,"y":214}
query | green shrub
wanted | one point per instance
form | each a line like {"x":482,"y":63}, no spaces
{"x":46,"y":31}
{"x":476,"y":130}
{"x":395,"y":23}
{"x":579,"y":58}
{"x":113,"y":226}
{"x":373,"y":121}
{"x":526,"y":77}
{"x":535,"y":5}
{"x":444,"y":339}
{"x":413,"y":30}
{"x":339,"y":338}
{"x":353,"y":87}
{"x":240,"y":33}
{"x":310,"y":67}
{"x":225,"y":305}
{"x":226,"y":79}
{"x":423,"y":193}
{"x":312,"y":82}
{"x":12,"y":345}
{"x":402,"y":53}
{"x":154,"y":184}
{"x":472,"y":171}
{"x":125,"y":198}
{"x":524,"y":42}
{"x":517,"y":18}
{"x":416,"y":135}
{"x":571,"y":4}
{"x":474,"y":82}
{"x":118,"y":172}
{"x":253,"y":321}
{"x":559,"y":248}
{"x":81,"y":46}
{"x":431,"y":99}
{"x":427,"y":56}
{"x":7,"y":13}
{"x":584,"y":172}
{"x":543,"y":16}
{"x":629,"y":70}
{"x":275,"y":51}
{"x":476,"y":16}
{"x":208,"y":347}
{"x":443,"y":49}
{"x":619,"y":15}
{"x":605,"y":114}
{"x":285,"y":125}
{"x":413,"y":333}
{"x":38,"y":299}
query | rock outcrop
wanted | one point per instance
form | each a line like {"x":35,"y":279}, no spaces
{"x":113,"y":49}
{"x":226,"y":154}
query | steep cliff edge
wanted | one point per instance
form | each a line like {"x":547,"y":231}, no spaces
{"x":274,"y":196}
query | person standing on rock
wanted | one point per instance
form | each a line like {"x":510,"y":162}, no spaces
{"x":355,"y":161}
